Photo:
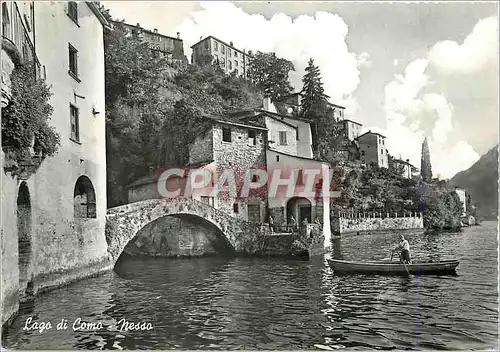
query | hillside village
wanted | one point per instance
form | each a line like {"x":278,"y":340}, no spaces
{"x":89,"y":125}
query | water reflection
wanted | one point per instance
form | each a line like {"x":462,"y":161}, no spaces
{"x":245,"y":303}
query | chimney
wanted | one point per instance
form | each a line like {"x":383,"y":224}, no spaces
{"x":155,"y":30}
{"x":200,"y":38}
{"x":231,"y":43}
{"x":268,"y":105}
{"x":138,"y":25}
{"x":178,"y":35}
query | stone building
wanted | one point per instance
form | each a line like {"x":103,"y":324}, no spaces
{"x":232,"y":147}
{"x":289,"y":152}
{"x":161,"y":45}
{"x":230,"y":58}
{"x":372,"y":149}
{"x":54,"y":211}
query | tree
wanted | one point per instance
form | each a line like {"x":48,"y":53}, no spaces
{"x":313,"y":93}
{"x":315,"y":107}
{"x":425,"y":163}
{"x":270,"y":73}
{"x":155,"y":111}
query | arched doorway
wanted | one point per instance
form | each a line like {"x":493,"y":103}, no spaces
{"x":24,"y":235}
{"x":300,"y":209}
{"x":84,"y":204}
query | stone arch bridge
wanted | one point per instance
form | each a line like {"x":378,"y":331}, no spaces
{"x":124,"y":222}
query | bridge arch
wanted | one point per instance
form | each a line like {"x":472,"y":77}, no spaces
{"x":179,"y":235}
{"x":124,"y":222}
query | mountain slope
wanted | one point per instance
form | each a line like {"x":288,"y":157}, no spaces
{"x":480,"y":180}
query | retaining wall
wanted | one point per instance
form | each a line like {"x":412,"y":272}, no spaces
{"x":353,"y":225}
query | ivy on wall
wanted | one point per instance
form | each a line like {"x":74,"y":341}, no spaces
{"x":25,"y":120}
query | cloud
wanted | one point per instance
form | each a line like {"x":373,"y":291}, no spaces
{"x":401,"y":92}
{"x":416,"y":107}
{"x":322,"y":37}
{"x":479,"y":48}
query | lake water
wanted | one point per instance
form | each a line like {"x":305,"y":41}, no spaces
{"x":248,"y":303}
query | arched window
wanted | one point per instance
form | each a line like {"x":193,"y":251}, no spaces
{"x":84,"y":198}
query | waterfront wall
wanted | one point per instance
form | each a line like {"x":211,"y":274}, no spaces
{"x":10,"y":269}
{"x":54,"y":212}
{"x":344,"y":225}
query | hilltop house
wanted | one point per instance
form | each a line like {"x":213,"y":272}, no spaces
{"x":230,"y":58}
{"x":292,"y":105}
{"x":163,"y":46}
{"x":372,"y":149}
{"x":403,"y":167}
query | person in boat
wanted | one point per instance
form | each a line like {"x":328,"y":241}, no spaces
{"x":404,"y":248}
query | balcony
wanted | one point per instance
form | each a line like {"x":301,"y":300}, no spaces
{"x":16,"y":45}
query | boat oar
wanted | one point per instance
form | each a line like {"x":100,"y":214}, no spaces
{"x":404,"y":264}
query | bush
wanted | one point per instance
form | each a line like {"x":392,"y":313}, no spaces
{"x":26,"y":117}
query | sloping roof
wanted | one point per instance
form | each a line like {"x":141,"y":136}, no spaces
{"x":239,"y":124}
{"x":370,"y":132}
{"x":270,"y":116}
{"x":223,"y":42}
{"x":284,"y":116}
{"x":147,"y":30}
{"x":95,"y":8}
{"x":152,"y":178}
{"x":300,"y":93}
{"x":298,"y":157}
{"x":401,"y":161}
{"x":357,"y":123}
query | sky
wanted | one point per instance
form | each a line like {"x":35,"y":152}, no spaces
{"x":406,"y":70}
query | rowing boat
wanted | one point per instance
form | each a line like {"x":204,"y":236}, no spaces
{"x":394,"y":268}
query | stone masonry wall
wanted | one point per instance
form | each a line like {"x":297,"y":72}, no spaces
{"x":202,"y":149}
{"x":348,"y":225}
{"x":240,"y":156}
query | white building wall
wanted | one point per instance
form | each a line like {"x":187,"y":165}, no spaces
{"x":274,"y":128}
{"x":304,"y":142}
{"x":62,"y":241}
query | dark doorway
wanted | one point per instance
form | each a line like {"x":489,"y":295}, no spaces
{"x":300,"y":209}
{"x":24,"y":236}
{"x":305,"y":213}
